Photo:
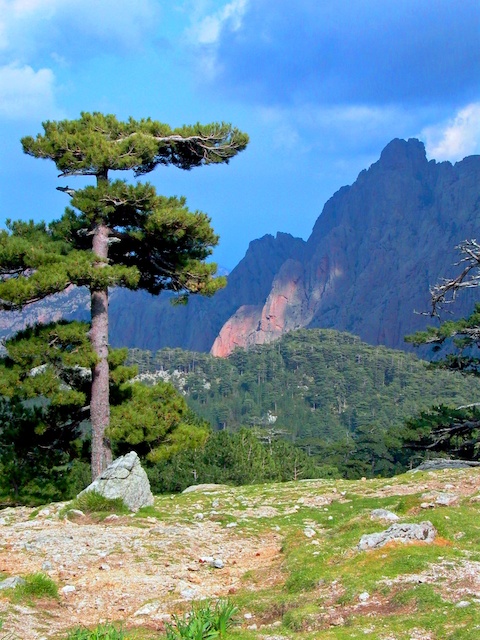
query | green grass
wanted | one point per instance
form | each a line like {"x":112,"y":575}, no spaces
{"x":36,"y":586}
{"x":93,"y":503}
{"x":100,"y":632}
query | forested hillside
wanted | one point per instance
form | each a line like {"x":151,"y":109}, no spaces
{"x":326,"y":391}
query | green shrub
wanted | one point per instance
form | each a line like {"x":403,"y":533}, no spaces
{"x":93,"y":502}
{"x":101,"y":632}
{"x":204,"y":622}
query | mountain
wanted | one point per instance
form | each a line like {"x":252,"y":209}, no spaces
{"x":374,"y":251}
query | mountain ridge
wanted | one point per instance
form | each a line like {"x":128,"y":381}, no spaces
{"x":373,"y":253}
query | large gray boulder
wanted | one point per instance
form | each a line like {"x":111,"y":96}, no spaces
{"x":124,"y":478}
{"x":436,"y":464}
{"x":422,"y":532}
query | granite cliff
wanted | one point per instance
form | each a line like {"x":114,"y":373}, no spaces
{"x":373,"y":253}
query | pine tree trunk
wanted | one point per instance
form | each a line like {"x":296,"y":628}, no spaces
{"x":99,"y":401}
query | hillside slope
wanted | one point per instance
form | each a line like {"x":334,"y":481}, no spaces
{"x":289,"y":560}
{"x":312,"y":386}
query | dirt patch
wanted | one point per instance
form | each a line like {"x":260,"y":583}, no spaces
{"x":118,"y":571}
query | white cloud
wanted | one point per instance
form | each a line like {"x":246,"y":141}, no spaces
{"x":457,"y":138}
{"x":38,"y":34}
{"x":26,"y":93}
{"x":207,"y":30}
{"x":27,"y":25}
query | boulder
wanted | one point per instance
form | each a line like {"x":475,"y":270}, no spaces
{"x":124,"y":478}
{"x":422,"y":532}
{"x":445,"y":463}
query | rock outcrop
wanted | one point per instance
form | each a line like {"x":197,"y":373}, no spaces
{"x":373,"y":253}
{"x":404,"y":533}
{"x":124,"y":478}
{"x":435,"y":464}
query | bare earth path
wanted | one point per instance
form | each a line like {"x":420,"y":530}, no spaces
{"x":130,"y":569}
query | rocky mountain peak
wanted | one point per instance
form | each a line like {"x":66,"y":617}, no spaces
{"x":374,"y":251}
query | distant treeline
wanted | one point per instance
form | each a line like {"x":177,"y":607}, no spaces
{"x":340,"y":400}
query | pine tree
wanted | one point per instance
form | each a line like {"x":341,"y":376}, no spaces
{"x":114,"y":233}
{"x":452,"y":430}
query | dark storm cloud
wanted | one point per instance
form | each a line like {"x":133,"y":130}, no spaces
{"x":353,"y":51}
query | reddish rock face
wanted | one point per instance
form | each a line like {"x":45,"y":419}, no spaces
{"x":238,"y":331}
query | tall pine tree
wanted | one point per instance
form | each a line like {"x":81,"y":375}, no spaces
{"x":114,"y":233}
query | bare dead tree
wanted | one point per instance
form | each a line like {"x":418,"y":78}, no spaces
{"x":445,"y":292}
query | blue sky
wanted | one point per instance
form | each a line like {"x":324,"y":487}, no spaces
{"x":321,"y":86}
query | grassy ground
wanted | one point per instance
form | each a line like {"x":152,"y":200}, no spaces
{"x":318,"y":584}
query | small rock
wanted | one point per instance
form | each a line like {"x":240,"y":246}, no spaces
{"x":252,"y":627}
{"x":309,"y":532}
{"x":104,"y":567}
{"x":427,"y":505}
{"x":75,"y":513}
{"x":43,"y":513}
{"x":198,"y":516}
{"x":3,"y":521}
{"x":446,"y":499}
{"x":363,"y":597}
{"x":186,"y":590}
{"x":208,"y":559}
{"x":218,"y":563}
{"x":112,"y":517}
{"x":47,"y":566}
{"x":384,"y":514}
{"x":147,"y":609}
{"x":462,"y":604}
{"x":68,"y":588}
{"x":230,"y":525}
{"x":248,"y":616}
{"x":11,"y":583}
